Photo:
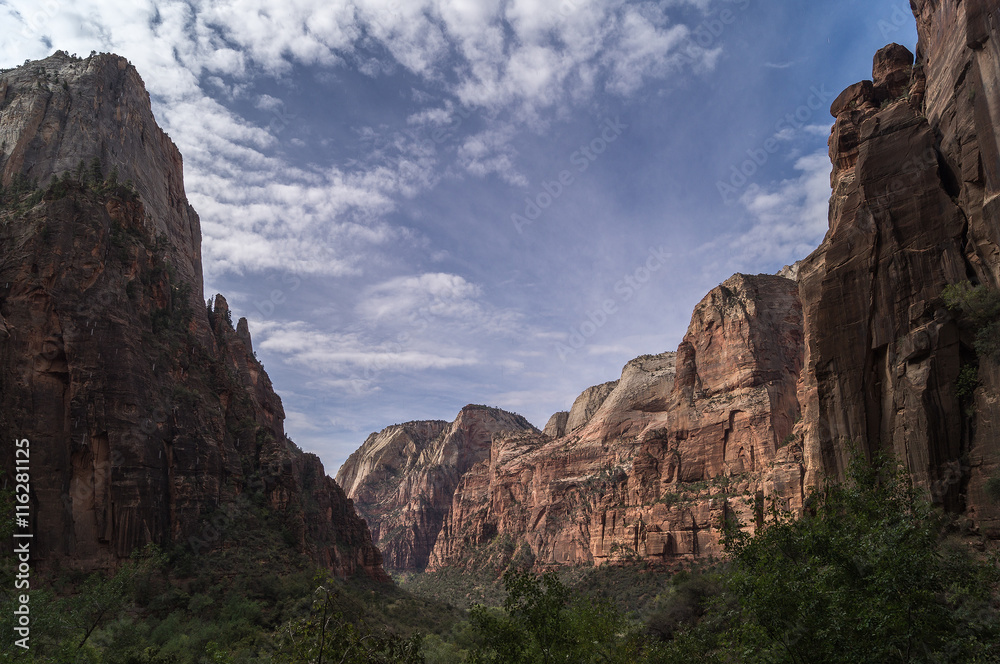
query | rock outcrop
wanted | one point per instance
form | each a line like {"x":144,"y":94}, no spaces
{"x":403,"y":479}
{"x":147,"y":412}
{"x":883,"y":354}
{"x":587,"y":404}
{"x":681,"y":441}
{"x":778,"y":380}
{"x":916,"y":207}
{"x":556,"y":426}
{"x":60,"y":112}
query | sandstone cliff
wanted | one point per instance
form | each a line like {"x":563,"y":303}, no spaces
{"x":60,"y":111}
{"x":402,"y":480}
{"x":681,"y":441}
{"x":147,"y":413}
{"x":777,"y":380}
{"x":915,"y":208}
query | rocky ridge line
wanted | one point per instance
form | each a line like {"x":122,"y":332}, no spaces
{"x":150,"y":418}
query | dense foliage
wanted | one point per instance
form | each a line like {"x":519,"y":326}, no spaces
{"x":864,"y":576}
{"x":869,"y":574}
{"x":24,"y":193}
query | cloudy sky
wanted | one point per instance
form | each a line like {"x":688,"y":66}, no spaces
{"x":421,"y":204}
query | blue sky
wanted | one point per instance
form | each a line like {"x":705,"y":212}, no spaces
{"x":426,"y":203}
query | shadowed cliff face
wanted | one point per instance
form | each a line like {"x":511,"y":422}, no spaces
{"x":147,"y":413}
{"x":103,"y":111}
{"x":914,"y":208}
{"x":959,"y":51}
{"x":882,"y":351}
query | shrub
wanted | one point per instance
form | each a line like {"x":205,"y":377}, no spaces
{"x":968,"y":381}
{"x":980,"y":306}
{"x":864,"y":577}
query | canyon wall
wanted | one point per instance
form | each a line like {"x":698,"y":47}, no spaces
{"x":149,"y":416}
{"x":683,"y":441}
{"x":403,"y":479}
{"x":777,"y":381}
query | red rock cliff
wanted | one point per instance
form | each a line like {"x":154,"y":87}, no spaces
{"x":680,"y":442}
{"x":403,"y":479}
{"x":915,"y":208}
{"x":147,"y":413}
{"x":777,"y":380}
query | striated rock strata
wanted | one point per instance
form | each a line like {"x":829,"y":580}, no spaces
{"x":682,"y":441}
{"x":147,"y":413}
{"x":777,"y":380}
{"x":402,"y":480}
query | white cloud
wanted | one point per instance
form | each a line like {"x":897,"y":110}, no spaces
{"x":644,"y":50}
{"x":352,"y":356}
{"x":268,"y":103}
{"x":433,"y":117}
{"x":297,"y":421}
{"x":790,"y":217}
{"x":818,"y":129}
{"x":490,"y":152}
{"x":436,"y":306}
{"x":436,"y":294}
{"x":528,"y":59}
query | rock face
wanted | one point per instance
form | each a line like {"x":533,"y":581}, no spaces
{"x":556,"y":426}
{"x":681,"y":441}
{"x":588,"y":403}
{"x":777,"y":380}
{"x":48,"y":127}
{"x":882,"y":352}
{"x":915,"y":207}
{"x":402,"y":479}
{"x":147,"y":413}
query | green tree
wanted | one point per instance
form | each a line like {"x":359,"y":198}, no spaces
{"x":326,"y":636}
{"x":539,"y":624}
{"x":864,"y":576}
{"x":96,"y":173}
{"x":979,"y":307}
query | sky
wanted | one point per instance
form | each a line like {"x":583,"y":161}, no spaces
{"x":421,"y":204}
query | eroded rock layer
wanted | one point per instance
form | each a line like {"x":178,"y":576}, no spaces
{"x":148,"y":414}
{"x":682,"y":441}
{"x":402,"y":480}
{"x":777,"y":381}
